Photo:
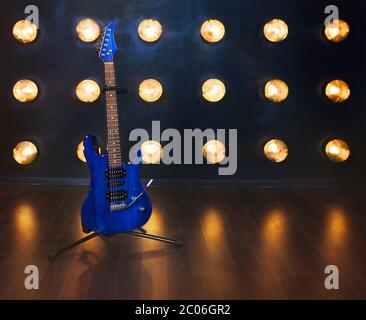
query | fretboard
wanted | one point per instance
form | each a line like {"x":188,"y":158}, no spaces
{"x":113,"y":144}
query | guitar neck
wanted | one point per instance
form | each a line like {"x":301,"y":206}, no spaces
{"x":113,"y":144}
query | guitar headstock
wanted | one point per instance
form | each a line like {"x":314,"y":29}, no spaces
{"x":107,"y":46}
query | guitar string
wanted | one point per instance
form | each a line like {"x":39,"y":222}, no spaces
{"x":113,"y":116}
{"x":110,"y":134}
{"x":114,"y":170}
{"x":109,"y":139}
{"x":110,"y":165}
{"x":110,"y":172}
{"x":114,"y":166}
{"x":115,"y":119}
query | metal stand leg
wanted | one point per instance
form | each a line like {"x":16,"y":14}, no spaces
{"x":142,"y":230}
{"x":141,"y":234}
{"x":72,"y":245}
{"x":156,"y":238}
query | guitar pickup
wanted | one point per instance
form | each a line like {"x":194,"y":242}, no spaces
{"x":117,"y":195}
{"x":119,"y":173}
{"x":115,"y":183}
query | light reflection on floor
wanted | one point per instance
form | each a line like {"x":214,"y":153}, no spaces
{"x":274,"y":227}
{"x":156,"y":223}
{"x":153,"y":262}
{"x":273,"y":236}
{"x":25,"y":222}
{"x":336,"y":230}
{"x":213,"y":225}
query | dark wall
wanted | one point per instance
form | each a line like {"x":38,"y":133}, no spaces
{"x":181,"y":60}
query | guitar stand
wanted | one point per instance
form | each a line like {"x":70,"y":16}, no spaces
{"x":140,"y":233}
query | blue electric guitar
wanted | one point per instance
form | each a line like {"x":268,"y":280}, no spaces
{"x":117,"y":202}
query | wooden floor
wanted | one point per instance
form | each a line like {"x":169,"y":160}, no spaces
{"x":240,"y":244}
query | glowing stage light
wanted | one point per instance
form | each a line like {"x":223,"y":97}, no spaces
{"x":275,"y":30}
{"x":88,"y":30}
{"x":337,"y":31}
{"x":80,"y":151}
{"x":276,"y":90}
{"x":275,"y":150}
{"x":25,"y":31}
{"x":150,"y":90}
{"x":337,"y":91}
{"x":25,"y":90}
{"x":337,"y":150}
{"x":150,"y":30}
{"x":25,"y":152}
{"x":213,"y":30}
{"x":214,"y":151}
{"x":152,"y":152}
{"x":213,"y":90}
{"x":88,"y":91}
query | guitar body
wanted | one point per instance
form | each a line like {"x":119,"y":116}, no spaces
{"x":96,"y":211}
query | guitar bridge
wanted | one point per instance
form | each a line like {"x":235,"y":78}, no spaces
{"x":118,"y":207}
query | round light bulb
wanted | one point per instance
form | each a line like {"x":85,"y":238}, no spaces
{"x":337,"y":150}
{"x":152,"y":152}
{"x":150,"y":30}
{"x":213,"y":30}
{"x":276,"y":90}
{"x":88,"y":30}
{"x":88,"y":91}
{"x":150,"y":90}
{"x":213,"y":90}
{"x":337,"y":91}
{"x":25,"y":91}
{"x":25,"y":152}
{"x":337,"y":30}
{"x":275,"y":150}
{"x":214,"y":151}
{"x":25,"y":31}
{"x":80,"y":152}
{"x":276,"y":30}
